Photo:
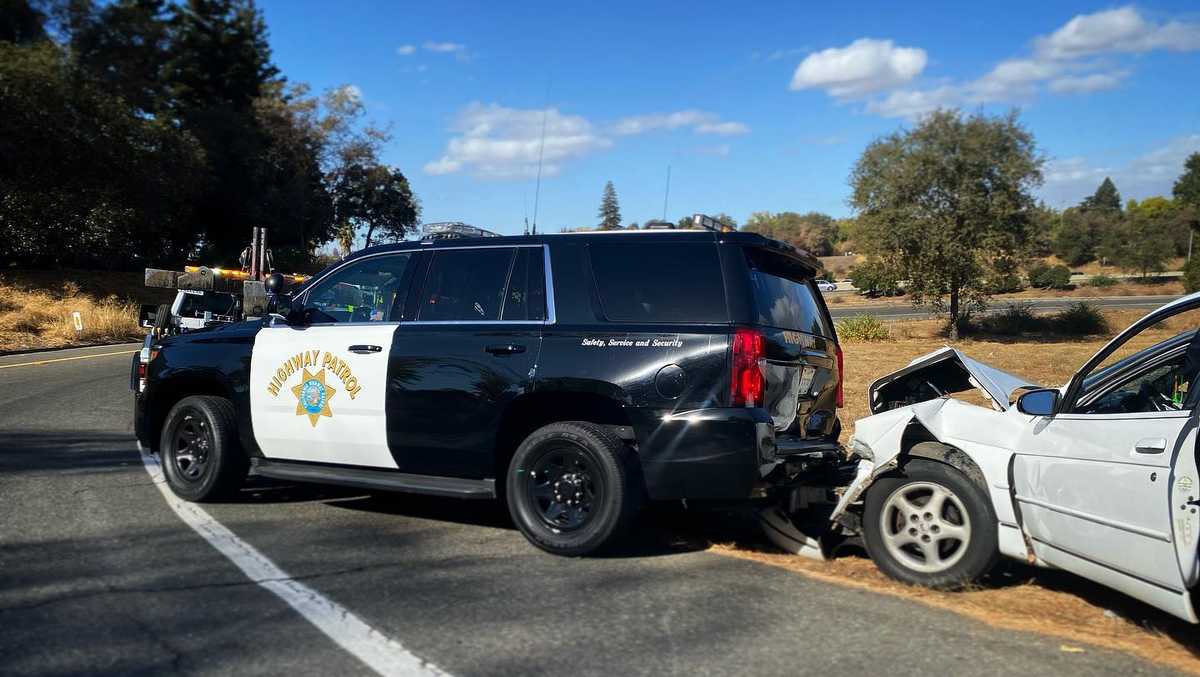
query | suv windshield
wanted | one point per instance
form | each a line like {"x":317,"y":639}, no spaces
{"x":784,"y":297}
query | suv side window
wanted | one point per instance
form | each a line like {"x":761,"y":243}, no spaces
{"x":363,"y":291}
{"x":659,"y":282}
{"x":465,"y":285}
{"x":525,"y":299}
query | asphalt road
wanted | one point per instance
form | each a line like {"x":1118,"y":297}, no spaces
{"x":905,"y":311}
{"x":98,"y":575}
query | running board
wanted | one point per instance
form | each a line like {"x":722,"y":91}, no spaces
{"x":384,"y":480}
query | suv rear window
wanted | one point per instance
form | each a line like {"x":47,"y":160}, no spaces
{"x":783,"y":294}
{"x":659,"y":282}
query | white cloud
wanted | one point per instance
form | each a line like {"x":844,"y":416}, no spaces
{"x":701,"y":122}
{"x":1011,"y":79}
{"x":503,"y":143}
{"x":446,"y":47}
{"x":1117,"y":30}
{"x":1069,"y":180}
{"x":497,"y":142}
{"x":911,"y":103}
{"x":1094,"y":82}
{"x":1059,"y":63}
{"x":406,"y":50}
{"x":723,"y":128}
{"x":719,"y":150}
{"x":864,"y":66}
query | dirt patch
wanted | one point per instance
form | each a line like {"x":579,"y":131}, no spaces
{"x":1050,"y":603}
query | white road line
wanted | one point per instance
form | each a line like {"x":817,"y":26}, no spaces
{"x":379,"y":652}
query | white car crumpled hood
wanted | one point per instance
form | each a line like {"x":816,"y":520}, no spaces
{"x":877,"y":438}
{"x":948,"y":370}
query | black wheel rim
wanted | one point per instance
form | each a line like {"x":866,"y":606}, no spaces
{"x":564,"y":487}
{"x":193,"y":447}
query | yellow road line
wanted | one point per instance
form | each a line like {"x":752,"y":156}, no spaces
{"x":65,"y":359}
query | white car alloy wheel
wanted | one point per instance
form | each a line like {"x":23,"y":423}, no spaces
{"x":925,"y":527}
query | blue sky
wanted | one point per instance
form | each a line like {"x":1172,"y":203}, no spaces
{"x":755,"y":106}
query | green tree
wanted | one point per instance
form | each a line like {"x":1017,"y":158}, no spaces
{"x":1077,"y":235}
{"x":940,"y":203}
{"x":376,"y":198}
{"x":814,"y":231}
{"x":85,"y":180}
{"x":1187,"y":187}
{"x":1187,"y":192}
{"x":1144,"y":240}
{"x":1105,"y":199}
{"x":219,"y":64}
{"x":21,"y":22}
{"x":610,"y":209}
{"x":123,"y":46}
{"x":873,"y":277}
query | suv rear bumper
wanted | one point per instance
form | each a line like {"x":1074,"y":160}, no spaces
{"x":710,"y":454}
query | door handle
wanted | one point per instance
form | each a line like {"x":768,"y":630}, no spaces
{"x":506,"y":349}
{"x":1150,"y":445}
{"x":363,"y":349}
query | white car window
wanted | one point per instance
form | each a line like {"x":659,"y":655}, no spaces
{"x":1162,"y":387}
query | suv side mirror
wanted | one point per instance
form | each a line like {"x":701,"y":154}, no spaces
{"x":1039,"y":402}
{"x":280,"y":304}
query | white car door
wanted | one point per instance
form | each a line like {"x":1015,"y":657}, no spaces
{"x":318,"y":388}
{"x":1103,"y":486}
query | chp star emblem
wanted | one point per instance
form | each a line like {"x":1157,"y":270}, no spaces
{"x":312,"y":396}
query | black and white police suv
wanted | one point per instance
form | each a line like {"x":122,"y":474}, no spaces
{"x":574,"y":376}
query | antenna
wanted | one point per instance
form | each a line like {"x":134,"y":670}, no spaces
{"x":667,"y":194}
{"x":525,"y":206}
{"x":537,"y":191}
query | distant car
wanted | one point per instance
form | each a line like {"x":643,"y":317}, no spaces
{"x":1098,"y":477}
{"x":825,"y":285}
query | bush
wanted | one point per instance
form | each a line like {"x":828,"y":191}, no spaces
{"x":1191,"y":275}
{"x":1016,"y":318}
{"x":873,"y":278}
{"x":1102,"y":280}
{"x":863,"y":328}
{"x":1081,"y":319}
{"x":1043,"y":276}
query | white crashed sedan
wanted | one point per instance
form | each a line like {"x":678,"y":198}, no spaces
{"x":1098,"y":477}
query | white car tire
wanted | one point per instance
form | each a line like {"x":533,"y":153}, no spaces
{"x":928,"y":524}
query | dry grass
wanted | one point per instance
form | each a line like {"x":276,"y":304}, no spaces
{"x":839,"y":266}
{"x":42,"y":318}
{"x":1052,"y":603}
{"x":1157,"y":288}
{"x":1094,"y":267}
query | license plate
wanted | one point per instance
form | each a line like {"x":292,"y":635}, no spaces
{"x":806,"y":378}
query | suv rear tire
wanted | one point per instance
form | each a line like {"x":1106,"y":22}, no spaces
{"x":202,"y":459}
{"x":572,"y":488}
{"x":946,"y":547}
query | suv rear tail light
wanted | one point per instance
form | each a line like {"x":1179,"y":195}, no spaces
{"x":841,"y":393}
{"x":747,"y":385}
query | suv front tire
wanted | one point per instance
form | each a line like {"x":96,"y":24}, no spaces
{"x":572,"y":488}
{"x":201,"y":456}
